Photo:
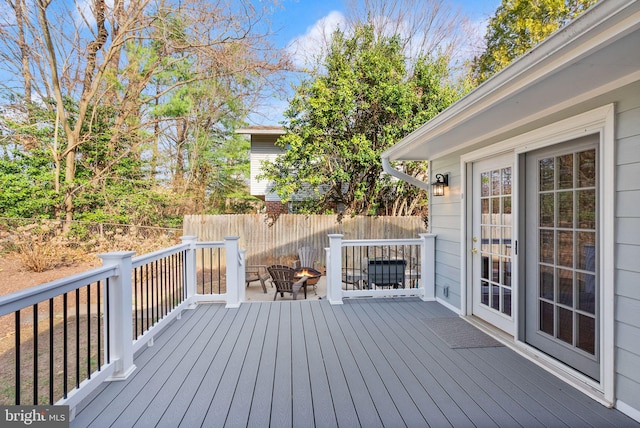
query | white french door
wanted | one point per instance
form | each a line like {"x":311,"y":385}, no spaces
{"x":561,"y":286}
{"x":492,"y":241}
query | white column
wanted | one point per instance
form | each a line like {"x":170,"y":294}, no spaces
{"x":190,"y":269}
{"x":428,"y":266}
{"x":334,"y":269}
{"x":232,"y":250}
{"x":120,"y":314}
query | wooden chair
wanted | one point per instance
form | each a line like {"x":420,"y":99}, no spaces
{"x":255,"y":273}
{"x":284,"y":279}
{"x":307,"y":257}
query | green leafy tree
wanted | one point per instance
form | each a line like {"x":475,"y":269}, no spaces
{"x":362,"y":101}
{"x":519,"y":25}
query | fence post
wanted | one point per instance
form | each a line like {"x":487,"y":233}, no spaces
{"x":428,"y":266}
{"x":232,"y":251}
{"x":120,"y":314}
{"x":334,"y":269}
{"x":190,"y":269}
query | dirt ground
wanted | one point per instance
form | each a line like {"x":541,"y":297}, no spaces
{"x":14,"y":276}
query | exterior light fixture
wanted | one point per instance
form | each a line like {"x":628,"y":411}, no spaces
{"x":437,"y":187}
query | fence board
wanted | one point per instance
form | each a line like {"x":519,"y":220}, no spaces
{"x":269,"y":240}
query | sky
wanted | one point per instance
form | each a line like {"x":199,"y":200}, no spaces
{"x":297,"y":24}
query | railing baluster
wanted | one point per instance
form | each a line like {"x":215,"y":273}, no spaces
{"x":17,"y":382}
{"x":35,"y":354}
{"x":107,"y":322}
{"x":136,"y":308}
{"x":98,"y":327}
{"x":65,"y":360}
{"x":51,"y":353}
{"x":89,"y":331}
{"x":77,"y":337}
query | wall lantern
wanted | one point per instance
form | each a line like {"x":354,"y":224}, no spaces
{"x":437,"y":187}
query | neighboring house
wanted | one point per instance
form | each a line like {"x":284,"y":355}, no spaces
{"x":538,"y":231}
{"x":263,"y":148}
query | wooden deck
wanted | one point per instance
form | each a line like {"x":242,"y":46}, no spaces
{"x":369,"y":363}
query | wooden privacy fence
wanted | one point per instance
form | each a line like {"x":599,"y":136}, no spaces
{"x":269,"y":240}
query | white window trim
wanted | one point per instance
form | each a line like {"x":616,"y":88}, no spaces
{"x":598,"y":121}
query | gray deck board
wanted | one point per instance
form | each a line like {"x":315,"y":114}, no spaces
{"x":368,"y":363}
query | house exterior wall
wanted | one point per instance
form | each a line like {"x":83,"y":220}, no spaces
{"x":627,"y":248}
{"x":445,"y":220}
{"x":263,"y":148}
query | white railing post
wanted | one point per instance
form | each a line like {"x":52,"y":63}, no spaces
{"x":190,"y":269}
{"x":242,"y":288}
{"x":334,"y":269}
{"x":120,"y":314}
{"x":232,"y":251}
{"x":428,"y":265}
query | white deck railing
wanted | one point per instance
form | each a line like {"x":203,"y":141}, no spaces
{"x":128,"y":301}
{"x":138,"y":296}
{"x":380,"y":268}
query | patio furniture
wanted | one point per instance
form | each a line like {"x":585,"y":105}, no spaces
{"x":255,"y":273}
{"x":285,"y":281}
{"x":307,"y":256}
{"x":313,"y":276}
{"x":385,"y":272}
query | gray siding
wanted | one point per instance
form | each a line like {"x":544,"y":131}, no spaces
{"x":445,"y":222}
{"x":627,"y":324}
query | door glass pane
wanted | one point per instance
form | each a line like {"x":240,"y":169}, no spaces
{"x":587,"y":168}
{"x":495,"y":182}
{"x":586,"y":209}
{"x":565,"y":249}
{"x":495,"y":297}
{"x":565,"y":171}
{"x":586,"y":334}
{"x":546,"y":174}
{"x":484,"y":184}
{"x":565,"y":325}
{"x":546,"y":210}
{"x":565,"y":209}
{"x":586,"y":251}
{"x":484,"y":292}
{"x":546,"y":317}
{"x":506,"y":181}
{"x":565,"y":287}
{"x":586,"y":292}
{"x":506,"y":273}
{"x":546,"y":282}
{"x":506,"y":210}
{"x":506,"y":301}
{"x":546,"y":246}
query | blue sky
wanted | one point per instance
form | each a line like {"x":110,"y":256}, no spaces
{"x":297,"y":23}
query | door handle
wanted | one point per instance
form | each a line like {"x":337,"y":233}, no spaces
{"x":474,"y":251}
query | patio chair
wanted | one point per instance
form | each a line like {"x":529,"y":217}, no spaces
{"x":255,"y":273}
{"x":284,"y":279}
{"x":307,"y":257}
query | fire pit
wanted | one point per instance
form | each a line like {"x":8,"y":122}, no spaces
{"x":313,"y":276}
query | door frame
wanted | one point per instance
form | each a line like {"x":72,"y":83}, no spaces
{"x":598,"y":121}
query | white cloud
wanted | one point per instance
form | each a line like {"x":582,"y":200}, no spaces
{"x":307,"y":48}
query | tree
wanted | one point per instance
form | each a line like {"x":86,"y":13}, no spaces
{"x":97,"y":72}
{"x":362,"y":101}
{"x":519,"y":25}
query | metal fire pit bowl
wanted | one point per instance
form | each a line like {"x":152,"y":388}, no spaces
{"x":313,"y":276}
